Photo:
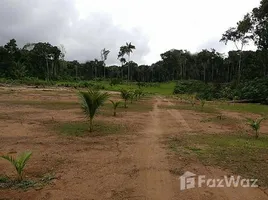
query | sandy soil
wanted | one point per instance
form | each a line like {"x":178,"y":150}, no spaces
{"x":136,"y":165}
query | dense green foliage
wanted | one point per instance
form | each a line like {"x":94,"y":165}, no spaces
{"x":253,"y":90}
{"x":240,"y":75}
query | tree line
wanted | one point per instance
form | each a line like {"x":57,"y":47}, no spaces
{"x":47,"y":62}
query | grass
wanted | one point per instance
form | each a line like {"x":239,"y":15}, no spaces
{"x":242,"y":154}
{"x":196,"y":108}
{"x":82,"y":128}
{"x":163,"y":88}
{"x":51,"y":105}
{"x":136,"y":106}
{"x":8,"y":183}
{"x":221,"y":120}
{"x":251,"y":108}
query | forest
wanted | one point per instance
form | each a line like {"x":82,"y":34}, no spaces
{"x":240,"y":74}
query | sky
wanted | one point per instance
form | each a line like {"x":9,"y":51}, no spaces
{"x":84,"y":27}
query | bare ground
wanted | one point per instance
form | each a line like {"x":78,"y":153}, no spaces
{"x":135,"y":165}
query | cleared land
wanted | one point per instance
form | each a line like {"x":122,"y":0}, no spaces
{"x":139,"y":154}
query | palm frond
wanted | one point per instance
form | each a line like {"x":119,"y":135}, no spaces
{"x":115,"y":103}
{"x":90,"y":103}
{"x":19,"y":162}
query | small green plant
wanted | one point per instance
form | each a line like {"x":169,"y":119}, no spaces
{"x":138,"y":93}
{"x":203,"y":102}
{"x":220,"y":117}
{"x":125,"y":94}
{"x":192,"y":99}
{"x":255,"y":125}
{"x":132,"y":96}
{"x":115,"y":105}
{"x":90,"y":103}
{"x":19,"y":162}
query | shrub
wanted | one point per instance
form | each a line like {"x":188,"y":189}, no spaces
{"x":115,"y":81}
{"x":202,"y":90}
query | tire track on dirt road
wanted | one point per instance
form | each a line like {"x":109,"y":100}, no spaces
{"x":205,"y":193}
{"x":155,"y":180}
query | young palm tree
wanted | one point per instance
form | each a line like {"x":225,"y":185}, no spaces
{"x":132,"y":95}
{"x":125,"y":95}
{"x":138,"y":93}
{"x":255,"y":125}
{"x":90,"y":103}
{"x":19,"y":162}
{"x":115,"y":105}
{"x":203,"y":102}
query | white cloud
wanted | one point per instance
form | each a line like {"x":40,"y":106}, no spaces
{"x":153,"y":26}
{"x":181,"y":24}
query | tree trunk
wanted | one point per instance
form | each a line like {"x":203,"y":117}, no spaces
{"x":239,"y":68}
{"x":76,"y":72}
{"x":204,"y":72}
{"x":104,"y":70}
{"x":47,"y":70}
{"x":128,"y":67}
{"x":90,"y":125}
{"x":212,"y":72}
{"x":257,"y":134}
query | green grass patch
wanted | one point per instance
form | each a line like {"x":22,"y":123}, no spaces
{"x":197,"y":108}
{"x":50,"y":105}
{"x":8,"y":183}
{"x":162,"y":88}
{"x":136,"y":106}
{"x":82,"y":128}
{"x":251,"y":108}
{"x":242,"y":154}
{"x":221,"y":120}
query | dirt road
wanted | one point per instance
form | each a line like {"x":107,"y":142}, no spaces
{"x":155,"y":180}
{"x":134,"y":166}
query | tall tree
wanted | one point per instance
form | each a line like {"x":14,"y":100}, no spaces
{"x":104,"y":55}
{"x":128,"y":49}
{"x":240,"y":36}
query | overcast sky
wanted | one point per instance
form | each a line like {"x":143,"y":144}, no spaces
{"x":84,"y":27}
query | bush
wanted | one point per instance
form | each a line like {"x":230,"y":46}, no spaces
{"x":115,"y":81}
{"x":255,"y":90}
{"x":202,"y":90}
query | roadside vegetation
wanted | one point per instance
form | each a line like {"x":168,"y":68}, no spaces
{"x":238,"y":152}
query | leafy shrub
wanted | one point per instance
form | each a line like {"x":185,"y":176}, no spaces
{"x":115,"y":81}
{"x":202,"y":90}
{"x":144,"y":84}
{"x":256,"y":89}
